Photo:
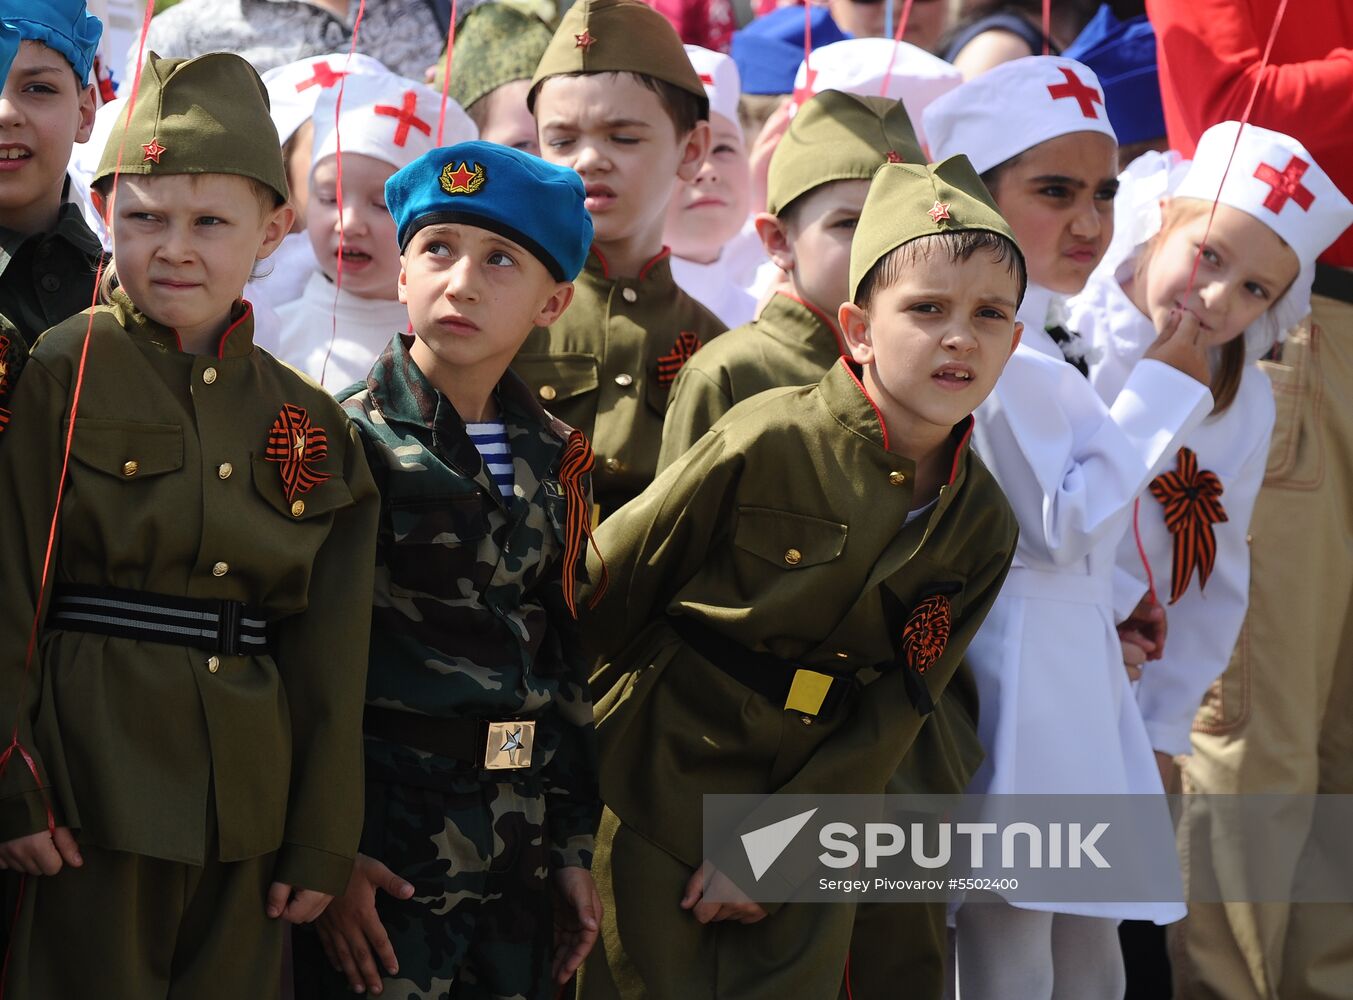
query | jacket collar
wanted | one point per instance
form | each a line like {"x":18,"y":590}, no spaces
{"x":790,"y":320}
{"x":70,"y":227}
{"x":657,"y":270}
{"x":236,"y":342}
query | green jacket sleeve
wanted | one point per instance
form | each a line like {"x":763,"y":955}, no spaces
{"x":321,"y":655}
{"x":695,"y":405}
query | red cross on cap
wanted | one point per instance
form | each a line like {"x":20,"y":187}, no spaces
{"x":1286,"y":184}
{"x":325,"y":77}
{"x":707,"y":79}
{"x":407,"y":119}
{"x":1086,"y":97}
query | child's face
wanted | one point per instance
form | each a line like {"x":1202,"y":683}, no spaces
{"x":473,"y":295}
{"x":370,"y":243}
{"x":1058,"y":199}
{"x":708,"y":211}
{"x":1245,"y":268}
{"x":813,"y":245}
{"x":43,"y":113}
{"x":185,"y":244}
{"x":507,"y":119}
{"x":933,"y":343}
{"x":619,"y":138}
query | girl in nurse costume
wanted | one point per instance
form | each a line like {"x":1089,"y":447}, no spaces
{"x":1276,"y":212}
{"x":1058,"y":714}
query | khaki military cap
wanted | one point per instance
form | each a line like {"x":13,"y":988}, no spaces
{"x":839,"y":137}
{"x":207,"y":115}
{"x":495,"y":45}
{"x":618,"y":36}
{"x":909,"y":200}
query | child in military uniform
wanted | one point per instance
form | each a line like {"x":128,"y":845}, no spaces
{"x":48,"y":256}
{"x":819,"y":177}
{"x":481,"y":760}
{"x":185,"y":765}
{"x":616,"y":99}
{"x":761,"y":555}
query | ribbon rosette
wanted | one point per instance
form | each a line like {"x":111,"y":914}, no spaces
{"x":1192,"y":501}
{"x":926,"y":633}
{"x":576,"y":463}
{"x":296,"y":445}
{"x":671,"y":363}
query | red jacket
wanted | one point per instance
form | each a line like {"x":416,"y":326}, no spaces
{"x":1210,"y":52}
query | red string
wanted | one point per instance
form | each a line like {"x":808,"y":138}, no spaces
{"x":1244,"y":120}
{"x":446,"y":72}
{"x":849,"y":994}
{"x":897,"y":44}
{"x":338,"y":185}
{"x":801,"y":95}
{"x":1141,"y":552}
{"x":60,"y":492}
{"x":1047,"y":27}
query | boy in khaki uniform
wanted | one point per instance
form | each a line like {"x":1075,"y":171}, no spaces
{"x":761,"y":554}
{"x":187,"y":765}
{"x":616,"y":99}
{"x":818,"y":179}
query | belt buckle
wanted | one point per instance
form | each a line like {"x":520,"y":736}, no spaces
{"x":808,"y":692}
{"x":508,"y":745}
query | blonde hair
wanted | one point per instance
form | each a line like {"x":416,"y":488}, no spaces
{"x":1231,"y":365}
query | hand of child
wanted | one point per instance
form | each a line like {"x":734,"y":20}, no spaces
{"x":41,"y":853}
{"x":1147,"y":627}
{"x":351,"y":931}
{"x":706,"y":911}
{"x":1180,"y":345}
{"x":295,"y":906}
{"x":1133,"y":654}
{"x":577,"y":921}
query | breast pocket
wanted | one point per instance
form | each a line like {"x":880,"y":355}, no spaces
{"x":316,"y":505}
{"x":127,"y":451}
{"x":561,"y":382}
{"x":777,"y":550}
{"x":435,"y":543}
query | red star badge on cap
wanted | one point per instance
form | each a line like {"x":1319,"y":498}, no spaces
{"x":153,"y":151}
{"x":584,"y":41}
{"x":939,"y":212}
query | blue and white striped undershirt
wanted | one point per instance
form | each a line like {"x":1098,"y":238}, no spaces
{"x":490,"y":437}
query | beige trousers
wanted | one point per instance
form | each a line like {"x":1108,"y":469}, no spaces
{"x":1280,"y":720}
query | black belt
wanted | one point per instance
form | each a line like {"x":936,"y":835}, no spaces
{"x":1333,"y":283}
{"x":768,"y":675}
{"x":493,"y":746}
{"x":229,"y":628}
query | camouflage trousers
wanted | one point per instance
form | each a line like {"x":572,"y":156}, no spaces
{"x":479,"y":924}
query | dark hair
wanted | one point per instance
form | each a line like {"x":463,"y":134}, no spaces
{"x":682,"y":107}
{"x":960,"y":246}
{"x":992,"y":177}
{"x":1226,"y":379}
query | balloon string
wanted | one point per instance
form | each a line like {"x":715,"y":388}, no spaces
{"x":338,"y":187}
{"x":1141,"y":553}
{"x":897,"y":44}
{"x":446,"y":72}
{"x":808,"y":75}
{"x":1047,"y":27}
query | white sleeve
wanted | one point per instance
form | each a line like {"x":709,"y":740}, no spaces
{"x":1205,"y":623}
{"x":1070,"y":466}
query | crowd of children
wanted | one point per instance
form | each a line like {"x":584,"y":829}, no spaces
{"x":421,"y":494}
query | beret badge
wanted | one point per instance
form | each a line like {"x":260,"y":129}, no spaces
{"x":461,"y":179}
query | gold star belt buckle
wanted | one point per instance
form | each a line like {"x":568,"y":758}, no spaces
{"x":509,"y":744}
{"x":808,"y":691}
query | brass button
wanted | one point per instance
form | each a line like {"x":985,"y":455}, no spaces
{"x":793,"y":557}
{"x":630,"y":295}
{"x":807,"y":720}
{"x":614,"y":465}
{"x":547,"y":392}
{"x":209,"y":375}
{"x":213,"y":664}
{"x":298,"y":508}
{"x":131,"y":468}
{"x":220,"y":569}
{"x":224,"y":470}
{"x":624,"y":380}
{"x":843,"y":655}
{"x":897,"y":478}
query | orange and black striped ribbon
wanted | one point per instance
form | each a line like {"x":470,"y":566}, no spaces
{"x":926,"y":634}
{"x":295,"y":444}
{"x":670,"y":364}
{"x":1192,"y":501}
{"x":577,"y":462}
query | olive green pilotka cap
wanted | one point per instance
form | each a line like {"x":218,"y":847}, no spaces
{"x":909,"y":200}
{"x":495,"y":45}
{"x":207,"y":115}
{"x":838,"y":137}
{"x":618,"y":36}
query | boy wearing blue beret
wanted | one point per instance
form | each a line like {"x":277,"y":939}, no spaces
{"x":48,"y":255}
{"x":481,"y":799}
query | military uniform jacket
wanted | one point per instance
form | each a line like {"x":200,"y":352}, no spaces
{"x":790,"y":343}
{"x":784,"y":529}
{"x":607,"y":367}
{"x":13,"y":356}
{"x":470,"y":617}
{"x":48,"y":277}
{"x":169,"y":491}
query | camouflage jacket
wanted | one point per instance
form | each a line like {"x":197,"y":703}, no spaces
{"x":470,"y":618}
